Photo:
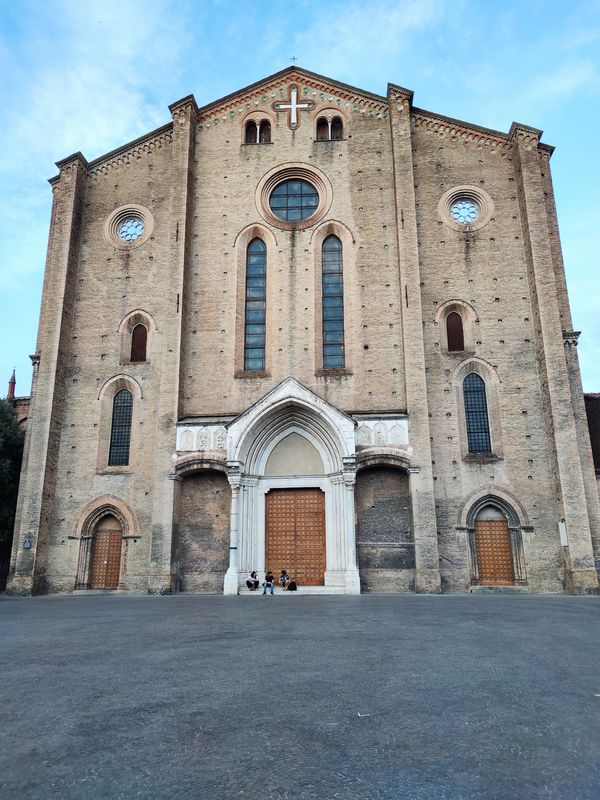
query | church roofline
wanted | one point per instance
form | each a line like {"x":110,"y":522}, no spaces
{"x":299,"y":71}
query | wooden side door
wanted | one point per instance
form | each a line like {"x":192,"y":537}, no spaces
{"x":295,"y":534}
{"x":106,"y":559}
{"x":494,"y":553}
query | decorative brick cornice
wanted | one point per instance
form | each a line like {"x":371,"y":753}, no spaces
{"x":454,"y":129}
{"x":260,"y":96}
{"x":571,"y":338}
{"x":125,"y":155}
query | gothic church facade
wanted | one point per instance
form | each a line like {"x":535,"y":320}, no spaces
{"x":313,"y":328}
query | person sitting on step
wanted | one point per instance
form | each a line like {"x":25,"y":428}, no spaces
{"x":269,"y":582}
{"x":252,"y":581}
{"x":284,"y":579}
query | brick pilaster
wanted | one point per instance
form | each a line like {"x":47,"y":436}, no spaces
{"x":427,"y":572}
{"x":555,"y":375}
{"x":169,"y":400}
{"x":38,"y":474}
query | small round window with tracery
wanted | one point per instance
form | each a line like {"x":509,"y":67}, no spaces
{"x":131,"y":229}
{"x":464,"y":211}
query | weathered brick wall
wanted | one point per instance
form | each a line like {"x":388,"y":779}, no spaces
{"x":201,"y":532}
{"x":384,"y":536}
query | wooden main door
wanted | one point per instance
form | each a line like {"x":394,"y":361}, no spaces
{"x":494,"y":553}
{"x":295,"y":534}
{"x":105,"y":562}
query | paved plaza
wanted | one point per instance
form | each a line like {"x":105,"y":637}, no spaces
{"x":292,"y":697}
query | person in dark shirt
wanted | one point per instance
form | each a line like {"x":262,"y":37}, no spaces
{"x":269,"y":582}
{"x":284,"y":579}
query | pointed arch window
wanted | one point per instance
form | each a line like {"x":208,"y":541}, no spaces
{"x":476,"y":414}
{"x":139,"y":339}
{"x":120,"y":431}
{"x":454,"y":332}
{"x":255,"y":308}
{"x":332,"y":304}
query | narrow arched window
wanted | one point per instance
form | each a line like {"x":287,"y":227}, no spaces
{"x":264,"y":132}
{"x":251,"y":133}
{"x":333,"y":304}
{"x":337,"y":128}
{"x":139,"y":338}
{"x":322,"y":129}
{"x":476,"y":414}
{"x":255,"y":311}
{"x":120,"y":430}
{"x":454,"y":331}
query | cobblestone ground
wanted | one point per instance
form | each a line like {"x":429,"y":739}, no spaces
{"x":299,"y":698}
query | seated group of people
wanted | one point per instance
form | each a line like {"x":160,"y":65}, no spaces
{"x":285,"y":581}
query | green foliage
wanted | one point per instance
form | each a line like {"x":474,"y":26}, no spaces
{"x":11,"y":454}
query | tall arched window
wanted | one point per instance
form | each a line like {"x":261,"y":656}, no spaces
{"x":251,"y":133}
{"x":476,"y":414}
{"x":333,"y":304}
{"x":256,"y":297}
{"x":454,"y":331}
{"x":337,"y":128}
{"x":139,"y":338}
{"x":120,"y":431}
{"x":322,"y":129}
{"x":264,"y":132}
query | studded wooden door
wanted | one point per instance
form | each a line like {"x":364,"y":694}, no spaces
{"x":295,"y":534}
{"x":494,"y":553}
{"x":106,"y":559}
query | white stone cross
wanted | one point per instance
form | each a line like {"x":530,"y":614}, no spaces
{"x":293,"y":107}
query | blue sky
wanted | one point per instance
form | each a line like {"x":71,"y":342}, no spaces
{"x":92,"y":75}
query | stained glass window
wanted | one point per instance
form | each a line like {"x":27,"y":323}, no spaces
{"x":333,"y":304}
{"x":476,"y":414}
{"x":293,"y":201}
{"x":255,"y":311}
{"x":120,"y":432}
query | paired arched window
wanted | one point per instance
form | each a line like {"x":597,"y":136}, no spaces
{"x":120,"y":430}
{"x":332,"y":303}
{"x":329,"y":129}
{"x":454,"y":332}
{"x":139,"y":339}
{"x":255,"y":308}
{"x":257,"y":132}
{"x":476,"y":414}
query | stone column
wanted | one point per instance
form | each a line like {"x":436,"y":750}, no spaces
{"x":171,"y":321}
{"x":427,"y":568}
{"x":349,"y":525}
{"x":38,"y":474}
{"x":544,"y":292}
{"x":231,"y":583}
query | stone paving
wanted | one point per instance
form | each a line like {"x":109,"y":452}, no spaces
{"x":358,"y":698}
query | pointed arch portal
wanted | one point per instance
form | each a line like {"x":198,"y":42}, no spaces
{"x":291,"y":465}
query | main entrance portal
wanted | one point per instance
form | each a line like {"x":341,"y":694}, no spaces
{"x":106,"y":554}
{"x":295,"y":534}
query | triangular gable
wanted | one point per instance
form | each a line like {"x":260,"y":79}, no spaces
{"x":274,"y":88}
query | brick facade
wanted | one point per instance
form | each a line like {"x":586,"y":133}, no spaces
{"x":394,"y":414}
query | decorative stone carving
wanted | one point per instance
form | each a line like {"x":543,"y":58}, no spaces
{"x":382,"y":431}
{"x":192,"y":437}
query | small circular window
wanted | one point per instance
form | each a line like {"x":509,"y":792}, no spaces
{"x":464,"y":211}
{"x":466,"y":208}
{"x":131,"y":229}
{"x":293,"y":201}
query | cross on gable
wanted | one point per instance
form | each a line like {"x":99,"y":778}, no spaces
{"x":293,"y":106}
